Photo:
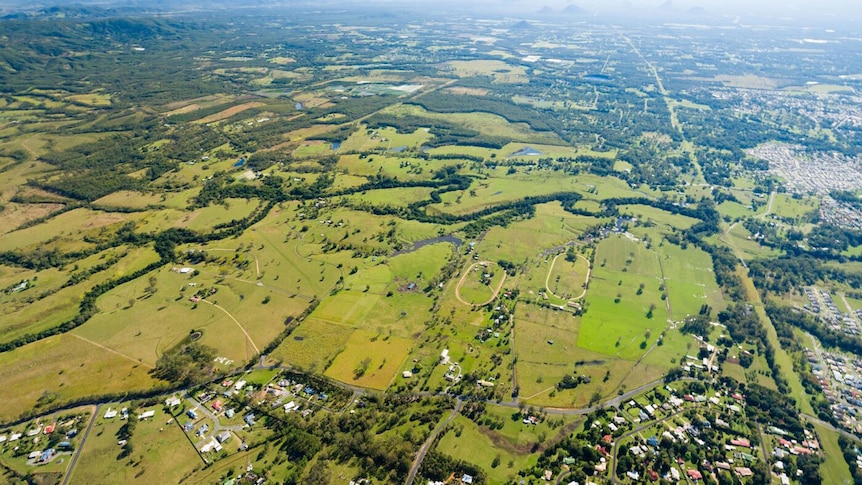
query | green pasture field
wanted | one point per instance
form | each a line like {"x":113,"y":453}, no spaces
{"x":536,"y":327}
{"x":15,"y":214}
{"x":484,"y":123}
{"x":312,"y":149}
{"x":690,"y":280}
{"x":386,"y":358}
{"x":403,"y":166}
{"x":132,"y":199}
{"x":734,"y":210}
{"x":68,"y":228}
{"x":162,"y":452}
{"x":739,"y":236}
{"x":834,"y":469}
{"x":154,"y":324}
{"x":787,"y":206}
{"x":23,"y":316}
{"x":626,"y":319}
{"x":566,"y":279}
{"x":497,"y":190}
{"x":502,"y":72}
{"x":366,"y":139}
{"x":313,"y":344}
{"x":94,"y":99}
{"x":399,"y":197}
{"x":65,"y":367}
{"x":346,"y":181}
{"x":665,"y":220}
{"x":525,"y":239}
{"x":477,"y":445}
{"x":231,"y":209}
{"x":520,"y":436}
{"x":474,"y":290}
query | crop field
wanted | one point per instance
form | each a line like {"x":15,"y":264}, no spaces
{"x":378,"y":357}
{"x":313,"y":344}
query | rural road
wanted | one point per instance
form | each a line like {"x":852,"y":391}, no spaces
{"x":77,"y":454}
{"x":417,"y":462}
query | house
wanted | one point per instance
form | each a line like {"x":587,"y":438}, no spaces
{"x":213,"y":445}
{"x":172,"y":401}
{"x":110,"y":413}
{"x":217,"y":406}
{"x":741,"y":442}
{"x":229,"y":413}
{"x":192,"y":413}
{"x":50,"y":428}
{"x":694,"y":474}
{"x":674,"y":474}
{"x":467,"y":479}
{"x":290,"y":406}
{"x":407,"y":374}
{"x":652,"y":441}
{"x":722,"y":465}
{"x":223,"y":436}
{"x":633,"y":475}
{"x":653,"y":476}
{"x":743,"y":471}
{"x":47,"y":455}
{"x":33,"y":455}
{"x":15,"y":436}
{"x":239,"y":385}
{"x":147,"y":414}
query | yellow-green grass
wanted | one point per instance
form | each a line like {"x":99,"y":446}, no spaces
{"x":154,"y":324}
{"x":625,"y":319}
{"x":734,"y":210}
{"x":740,"y":238}
{"x":313,"y":344}
{"x":161,"y":452}
{"x":67,"y":366}
{"x":835,"y":468}
{"x":551,"y":227}
{"x":690,"y":279}
{"x":787,"y":206}
{"x":385,"y":138}
{"x":734,"y":371}
{"x":499,"y":70}
{"x":210,"y":216}
{"x":390,"y":164}
{"x":15,"y":214}
{"x":523,"y":436}
{"x":311,"y":149}
{"x":567,"y":278}
{"x":399,"y":197}
{"x":22,"y":316}
{"x":385,"y":356}
{"x":96,"y":100}
{"x":476,"y":289}
{"x":484,"y":123}
{"x":476,"y":447}
{"x":69,"y":226}
{"x":781,"y":356}
{"x":498,"y":190}
{"x":129,"y":198}
{"x":666,"y":220}
{"x":536,"y":328}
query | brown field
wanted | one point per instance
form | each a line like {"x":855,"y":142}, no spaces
{"x":180,"y":104}
{"x":232,"y":111}
{"x":16,"y":214}
{"x":185,"y":109}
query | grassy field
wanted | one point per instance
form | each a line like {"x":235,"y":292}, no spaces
{"x":499,"y":70}
{"x":65,"y":367}
{"x":568,"y":279}
{"x":480,"y":283}
{"x":67,"y":228}
{"x":621,"y":267}
{"x":378,"y":357}
{"x":162,"y":453}
{"x":467,"y":441}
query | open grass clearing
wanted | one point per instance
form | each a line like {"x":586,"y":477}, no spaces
{"x":378,"y":357}
{"x":71,"y":226}
{"x":466,"y":441}
{"x":162,"y":452}
{"x":65,"y":367}
{"x":313,"y":344}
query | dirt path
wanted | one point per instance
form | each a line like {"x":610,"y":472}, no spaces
{"x":464,"y":278}
{"x":128,"y":357}
{"x":247,"y":336}
{"x":420,"y":455}
{"x":551,"y":270}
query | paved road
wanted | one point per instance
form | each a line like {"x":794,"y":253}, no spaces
{"x":417,"y":462}
{"x":77,"y":454}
